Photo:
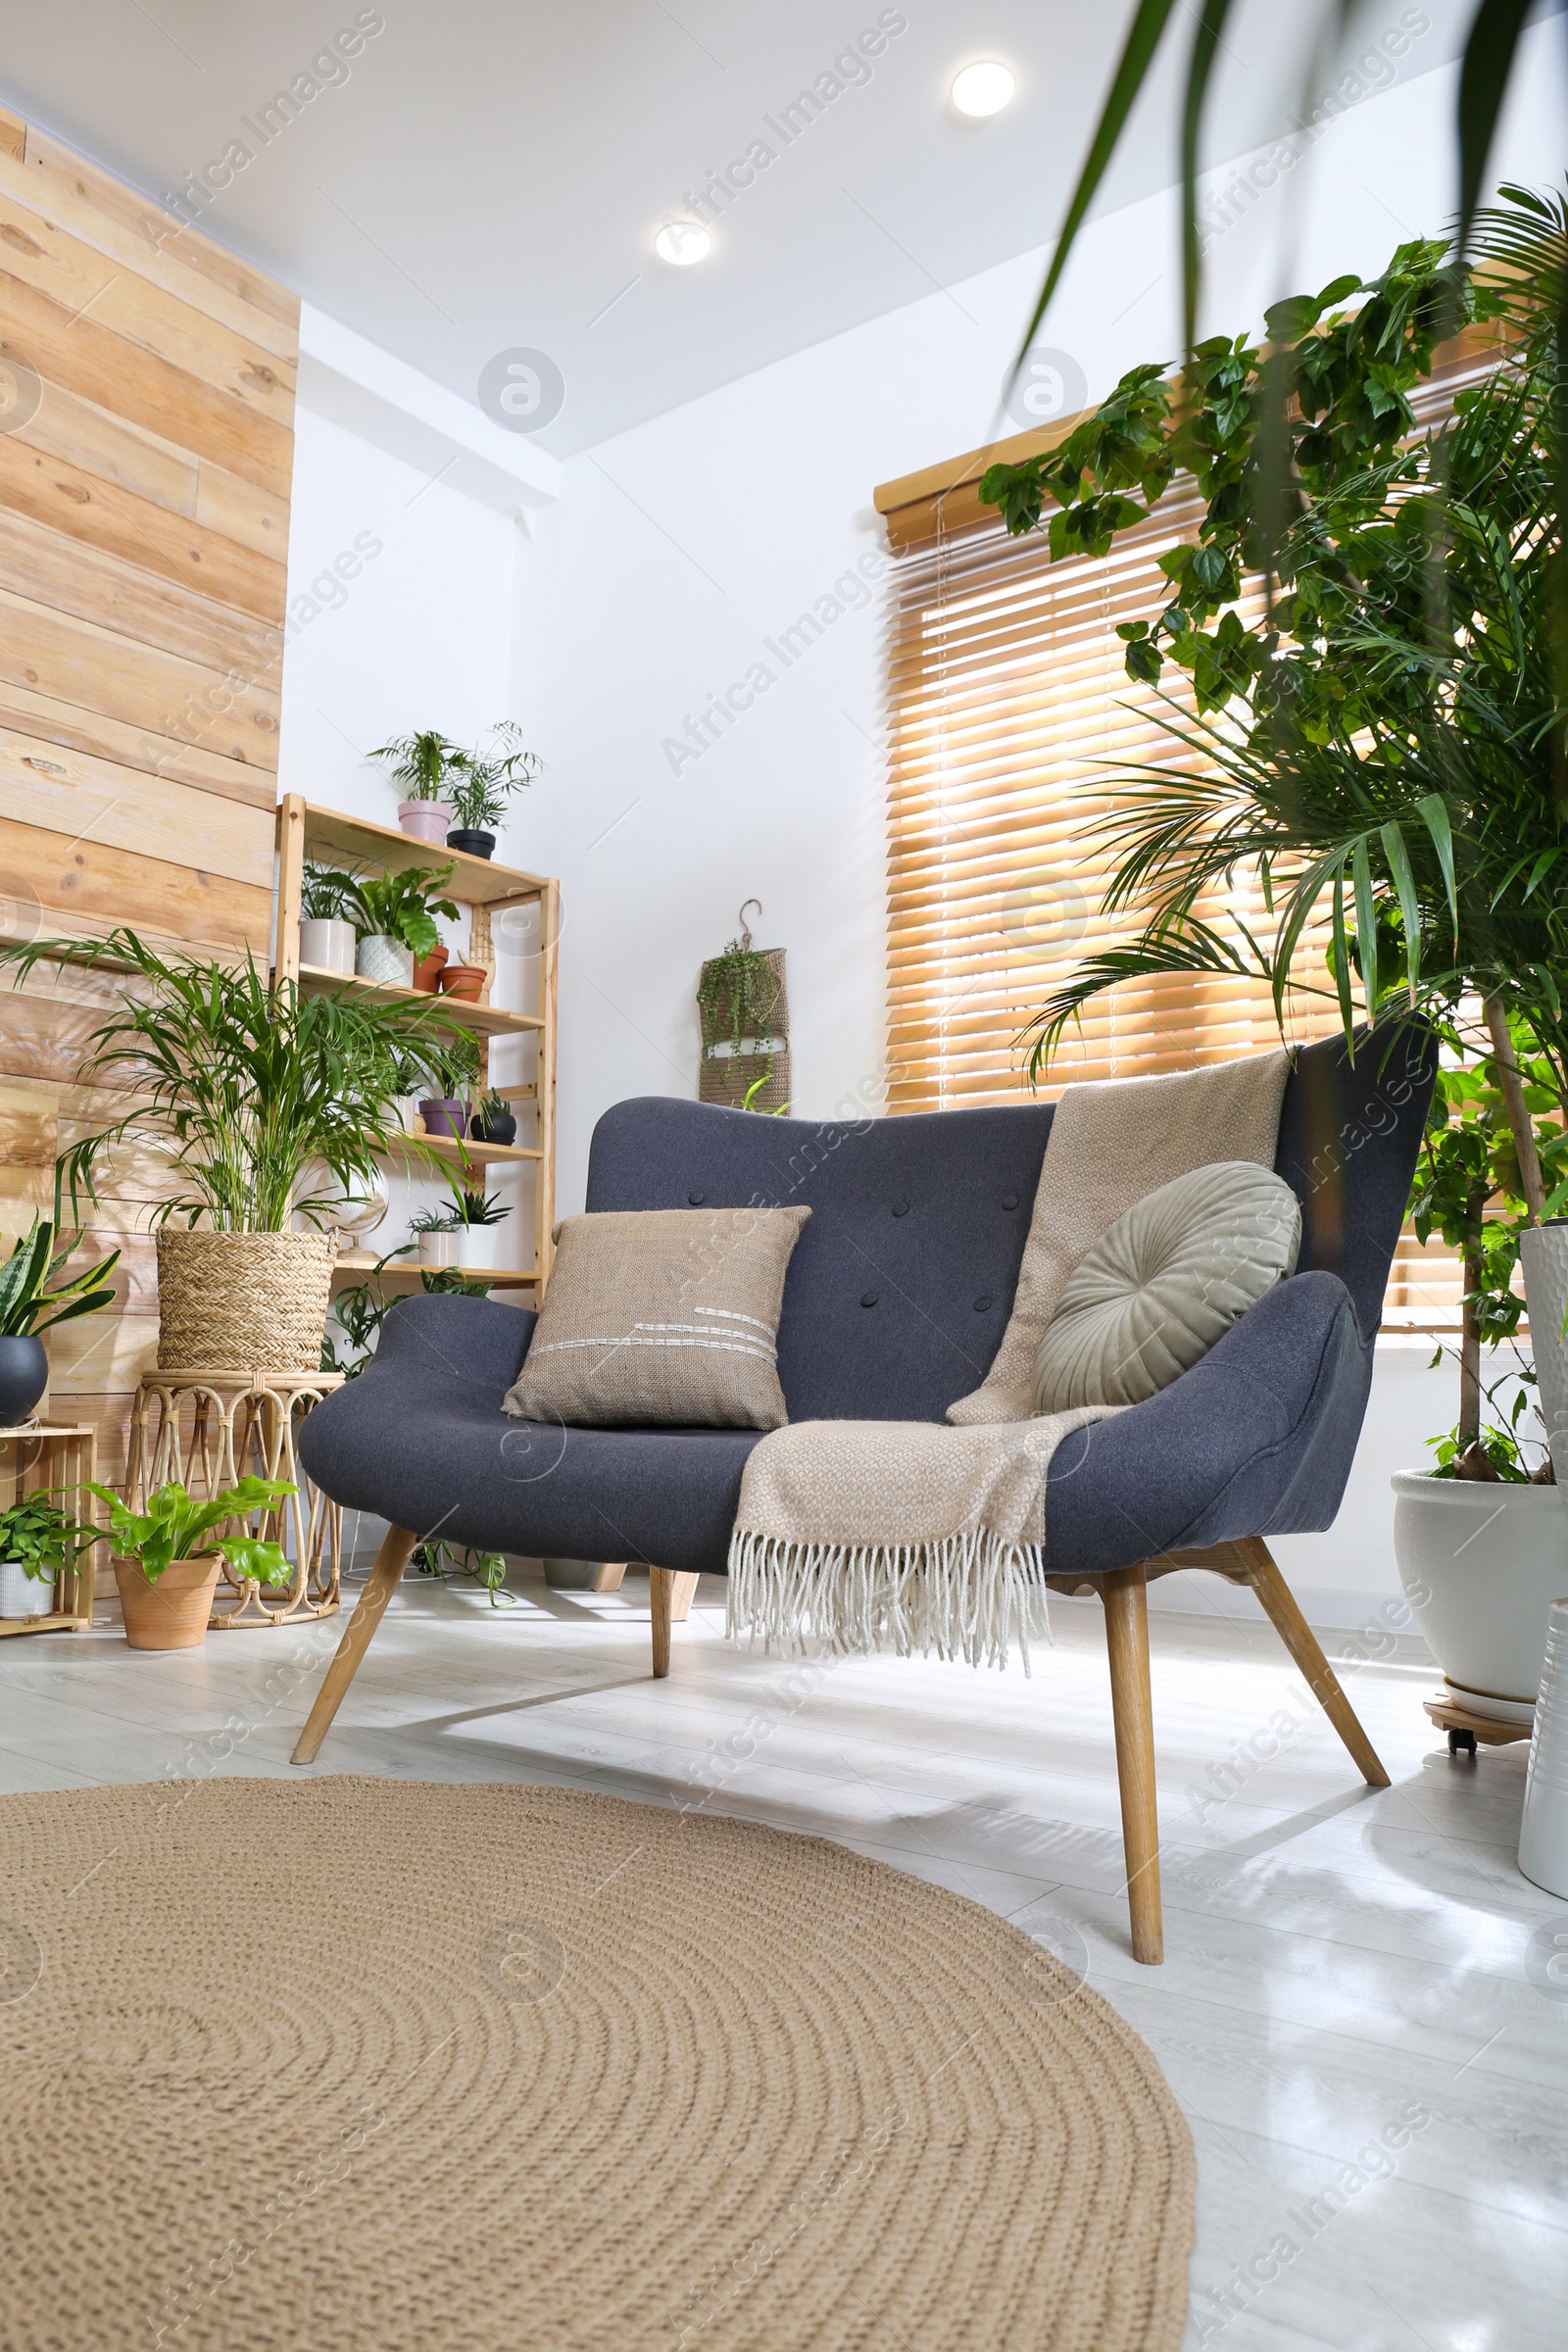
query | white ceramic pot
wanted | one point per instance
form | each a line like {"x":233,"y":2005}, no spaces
{"x":1481,"y":1566}
{"x":1544,"y":1260}
{"x":327,"y":946}
{"x":478,"y":1245}
{"x":1543,"y":1831}
{"x":23,"y":1596}
{"x":438,"y":1248}
{"x":426,"y":820}
{"x":386,"y":959}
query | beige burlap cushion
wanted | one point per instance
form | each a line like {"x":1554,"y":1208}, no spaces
{"x":662,"y":1315}
{"x":1164,"y":1283}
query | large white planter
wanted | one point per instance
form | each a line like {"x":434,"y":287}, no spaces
{"x":23,"y":1596}
{"x":1543,"y":1831}
{"x":1544,"y":1260}
{"x":1481,"y":1566}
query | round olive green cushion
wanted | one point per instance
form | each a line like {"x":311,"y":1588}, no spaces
{"x":1163,"y":1283}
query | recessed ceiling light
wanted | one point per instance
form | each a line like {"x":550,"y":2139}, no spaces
{"x":983,"y":89}
{"x":683,"y":242}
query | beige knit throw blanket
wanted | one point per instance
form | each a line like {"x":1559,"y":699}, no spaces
{"x":910,"y":1535}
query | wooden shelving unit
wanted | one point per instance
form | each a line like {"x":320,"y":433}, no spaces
{"x":328,"y":837}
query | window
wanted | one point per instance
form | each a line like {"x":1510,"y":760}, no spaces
{"x":1008,"y":695}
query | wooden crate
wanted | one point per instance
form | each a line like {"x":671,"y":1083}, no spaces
{"x":50,"y":1455}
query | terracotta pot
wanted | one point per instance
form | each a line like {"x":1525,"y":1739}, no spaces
{"x":170,"y":1612}
{"x":427,"y":970}
{"x":463,"y":981}
{"x":426,"y":820}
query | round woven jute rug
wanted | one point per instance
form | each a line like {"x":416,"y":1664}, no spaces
{"x":345,"y":2064}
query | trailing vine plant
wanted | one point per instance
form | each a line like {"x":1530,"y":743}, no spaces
{"x":736,"y":996}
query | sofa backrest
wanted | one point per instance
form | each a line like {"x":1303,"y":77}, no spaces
{"x":903,"y":1280}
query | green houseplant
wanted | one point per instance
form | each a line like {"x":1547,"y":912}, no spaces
{"x":29,"y":1306}
{"x":394,"y":914}
{"x":483,"y":787}
{"x":738,"y":996}
{"x":448,"y":1063}
{"x":478,"y":1219}
{"x":38,"y":1544}
{"x":265,"y":1105}
{"x":424,"y":764}
{"x":327,"y":937}
{"x":1386,"y":749}
{"x":169,"y":1556}
{"x":494,"y":1121}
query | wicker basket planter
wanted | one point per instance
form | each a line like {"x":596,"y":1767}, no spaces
{"x":243,"y":1302}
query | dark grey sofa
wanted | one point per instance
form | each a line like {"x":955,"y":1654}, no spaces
{"x":897,"y":1298}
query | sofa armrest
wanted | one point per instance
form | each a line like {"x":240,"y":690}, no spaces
{"x":470,"y":1344}
{"x":1258,"y":1438}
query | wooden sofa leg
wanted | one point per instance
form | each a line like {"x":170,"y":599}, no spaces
{"x":1126,"y":1602}
{"x":396,"y":1546}
{"x":1303,"y":1643}
{"x":669,"y":1593}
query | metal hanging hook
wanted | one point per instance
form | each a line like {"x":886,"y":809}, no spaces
{"x":745,"y":936}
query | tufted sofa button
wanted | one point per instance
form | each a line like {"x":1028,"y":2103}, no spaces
{"x":982,"y":1303}
{"x":1010,"y":1199}
{"x":900,"y":1209}
{"x":697,"y":1199}
{"x":868,"y":1297}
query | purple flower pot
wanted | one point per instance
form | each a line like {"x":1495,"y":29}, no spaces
{"x":445,"y":1116}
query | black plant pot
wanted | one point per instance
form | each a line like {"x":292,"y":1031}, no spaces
{"x":502,"y":1130}
{"x":24,"y":1378}
{"x":471,"y":842}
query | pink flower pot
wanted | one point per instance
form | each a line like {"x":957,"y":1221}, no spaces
{"x":426,"y":820}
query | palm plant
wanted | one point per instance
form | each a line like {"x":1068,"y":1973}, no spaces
{"x":1385,"y":746}
{"x":483,"y":785}
{"x":424,"y":764}
{"x":240,"y":1083}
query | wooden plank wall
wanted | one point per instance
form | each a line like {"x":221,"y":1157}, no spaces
{"x":146,"y":453}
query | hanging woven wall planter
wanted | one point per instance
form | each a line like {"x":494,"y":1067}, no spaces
{"x":744,"y":1010}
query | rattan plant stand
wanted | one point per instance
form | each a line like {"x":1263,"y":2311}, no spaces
{"x":209,"y":1429}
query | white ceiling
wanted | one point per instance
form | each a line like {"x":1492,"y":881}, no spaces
{"x":490,"y":173}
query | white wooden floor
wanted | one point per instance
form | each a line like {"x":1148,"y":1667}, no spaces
{"x":1345,"y":1971}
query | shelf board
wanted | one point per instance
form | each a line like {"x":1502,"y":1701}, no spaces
{"x":363,"y":1261}
{"x":476,"y":1155}
{"x":332,"y":839}
{"x":488,"y":1020}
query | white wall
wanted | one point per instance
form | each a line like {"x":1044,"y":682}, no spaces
{"x":677,"y":551}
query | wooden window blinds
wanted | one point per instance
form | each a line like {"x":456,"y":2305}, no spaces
{"x":1008,"y":696}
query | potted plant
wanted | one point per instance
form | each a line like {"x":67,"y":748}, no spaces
{"x":435,"y":1232}
{"x":1378,"y":748}
{"x":38,"y":1544}
{"x":449,"y":1064}
{"x":28,"y":1309}
{"x":1480,"y":1538}
{"x":169,"y":1557}
{"x":394,"y":914}
{"x":494,"y":1121}
{"x":482,"y":788}
{"x":241,"y":1086}
{"x":423,"y":764}
{"x":428,"y":969}
{"x":464,"y":981}
{"x":327,"y":920}
{"x":478,"y":1218}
